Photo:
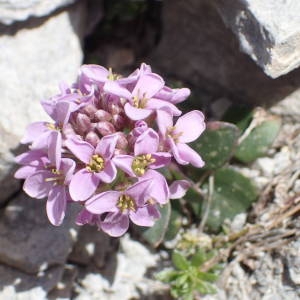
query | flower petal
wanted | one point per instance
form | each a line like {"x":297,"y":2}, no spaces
{"x":157,"y":104}
{"x":113,"y":87}
{"x":36,"y":185}
{"x":115,"y":224}
{"x":33,"y":131}
{"x":104,"y":202}
{"x":124,"y":162}
{"x":56,"y":205}
{"x":82,"y":150}
{"x":83,"y":184}
{"x":161,"y":159}
{"x":148,"y":85}
{"x":136,"y":114}
{"x":145,"y":216}
{"x":139,"y":190}
{"x":95,"y":72}
{"x":25,"y":171}
{"x":146,"y":143}
{"x":189,"y":155}
{"x":164,"y":121}
{"x":178,"y":188}
{"x":190,"y":125}
{"x":54,"y":148}
{"x":159,"y":189}
{"x":107,"y":145}
{"x":108,"y":174}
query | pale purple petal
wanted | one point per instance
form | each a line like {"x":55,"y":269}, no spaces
{"x":63,"y":110}
{"x":164,"y":121}
{"x":178,"y":188}
{"x":139,"y":191}
{"x":190,"y":125}
{"x":115,"y":224}
{"x":82,"y":150}
{"x":109,"y":173}
{"x":177,"y":155}
{"x":54,"y":148}
{"x":136,"y":114}
{"x":95,"y":72}
{"x":113,"y":87}
{"x":144,"y":216}
{"x":157,"y":104}
{"x":148,"y":85}
{"x":85,"y":217}
{"x":104,"y":202}
{"x":107,"y":145}
{"x":159,"y":189}
{"x":56,"y":205}
{"x":180,"y":95}
{"x":146,"y":143}
{"x":25,"y":172}
{"x":161,"y":159}
{"x":32,"y":157}
{"x":33,"y":131}
{"x":36,"y":185}
{"x":124,"y":162}
{"x":83,"y":184}
{"x":68,"y":167}
{"x":189,"y":155}
{"x":41,"y":142}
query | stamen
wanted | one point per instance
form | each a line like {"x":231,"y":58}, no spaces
{"x":96,"y":164}
{"x":125,"y":202}
{"x":140,"y":164}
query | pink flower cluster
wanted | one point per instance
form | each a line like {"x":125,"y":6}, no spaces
{"x":109,"y":136}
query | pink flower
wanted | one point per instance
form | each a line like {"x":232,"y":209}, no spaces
{"x":131,"y":204}
{"x":52,"y":183}
{"x":98,"y":166}
{"x":146,"y":155}
{"x":187,"y":129}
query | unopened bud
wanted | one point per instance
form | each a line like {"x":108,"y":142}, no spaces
{"x":102,"y":115}
{"x":122,"y":142}
{"x":90,"y":110}
{"x":83,"y":122}
{"x":118,"y":121}
{"x":114,"y":108}
{"x":68,"y":130}
{"x":92,"y":138}
{"x":120,"y":152}
{"x":105,"y":128}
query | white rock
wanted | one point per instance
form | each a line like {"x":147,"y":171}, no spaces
{"x":33,"y":60}
{"x":266,"y":165}
{"x":9,"y":293}
{"x":20,"y":10}
{"x":269,"y":31}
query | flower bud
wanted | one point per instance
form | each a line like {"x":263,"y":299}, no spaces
{"x":92,"y":138}
{"x":118,"y":121}
{"x":122,"y":142}
{"x":102,"y":115}
{"x":114,"y":108}
{"x":90,"y":110}
{"x":83,"y":122}
{"x":105,"y":128}
{"x":68,"y":130}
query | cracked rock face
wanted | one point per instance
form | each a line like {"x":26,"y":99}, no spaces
{"x":20,"y":10}
{"x":269,"y":31}
{"x":51,"y":56}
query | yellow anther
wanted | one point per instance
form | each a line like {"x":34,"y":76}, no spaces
{"x":96,"y":164}
{"x":125,"y":202}
{"x":171,"y":133}
{"x":112,"y":76}
{"x":141,"y":162}
{"x":52,"y":126}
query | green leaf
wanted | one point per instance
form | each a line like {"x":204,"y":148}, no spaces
{"x":259,"y":140}
{"x":194,"y":200}
{"x":207,"y":276}
{"x":155,"y":234}
{"x":217,"y":144}
{"x":233,"y":194}
{"x":179,"y":261}
{"x":198,"y":258}
{"x":175,"y":222}
{"x":167,"y":275}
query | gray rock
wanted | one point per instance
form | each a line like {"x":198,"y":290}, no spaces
{"x":197,"y":48}
{"x":28,"y":241}
{"x":92,"y":247}
{"x":21,"y":281}
{"x":34,"y":57}
{"x":19,"y":10}
{"x":269,"y":31}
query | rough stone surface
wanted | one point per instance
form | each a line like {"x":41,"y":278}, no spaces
{"x":28,"y":241}
{"x":269,"y":31}
{"x":34,"y":57}
{"x":34,"y":294}
{"x":197,"y":48}
{"x":47,"y":280}
{"x":20,"y":10}
{"x":92,"y":247}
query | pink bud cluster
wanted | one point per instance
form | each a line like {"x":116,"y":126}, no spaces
{"x":109,"y":137}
